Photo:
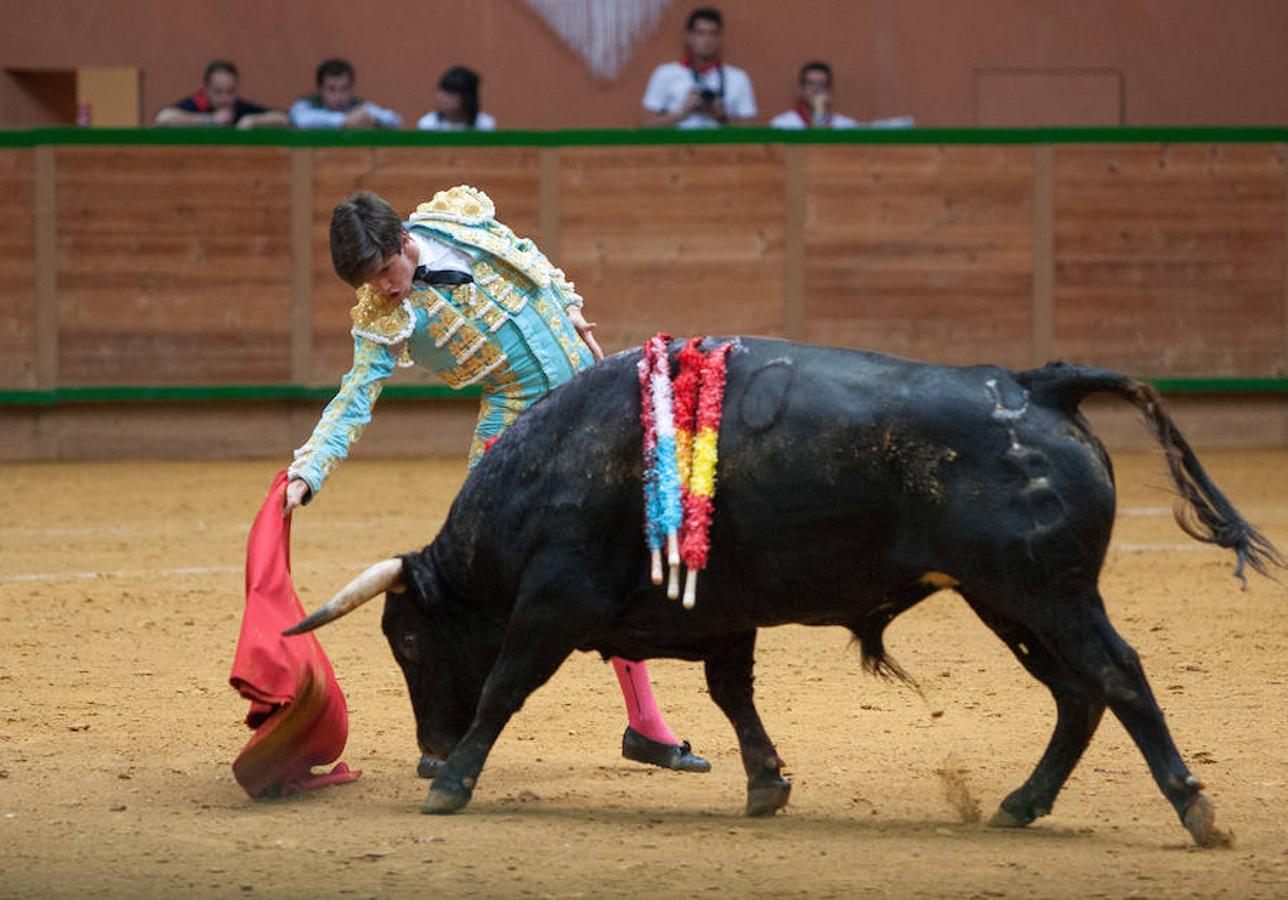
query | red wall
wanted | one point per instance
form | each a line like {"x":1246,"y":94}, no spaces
{"x":1207,"y":62}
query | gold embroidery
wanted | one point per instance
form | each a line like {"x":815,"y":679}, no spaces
{"x":484,"y":360}
{"x":465,"y":342}
{"x":560,"y":327}
{"x":445,"y":325}
{"x":380,"y":319}
{"x":460,"y":203}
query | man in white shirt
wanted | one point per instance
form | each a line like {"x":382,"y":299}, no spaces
{"x":335,"y":106}
{"x":813,"y":107}
{"x":699,"y":91}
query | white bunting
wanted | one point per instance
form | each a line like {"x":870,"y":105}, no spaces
{"x":604,"y":33}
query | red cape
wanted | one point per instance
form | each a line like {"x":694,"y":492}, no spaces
{"x":296,"y":707}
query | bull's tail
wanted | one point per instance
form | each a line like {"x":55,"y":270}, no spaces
{"x":1203,"y":512}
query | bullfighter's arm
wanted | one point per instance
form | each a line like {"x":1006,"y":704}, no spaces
{"x":346,"y":415}
{"x":572,"y":304}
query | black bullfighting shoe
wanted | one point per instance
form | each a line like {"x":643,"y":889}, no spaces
{"x":428,"y":766}
{"x":680,"y":757}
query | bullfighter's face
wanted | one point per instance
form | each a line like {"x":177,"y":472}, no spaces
{"x":392,"y":275}
{"x":443,"y":695}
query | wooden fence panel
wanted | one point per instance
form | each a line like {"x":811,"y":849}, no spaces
{"x":922,"y":251}
{"x":18,"y":270}
{"x":173,"y":265}
{"x":1170,"y":258}
{"x":684,"y":239}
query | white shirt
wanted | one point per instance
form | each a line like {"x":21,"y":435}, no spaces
{"x":437,"y":255}
{"x":792,"y":120}
{"x":431,"y":122}
{"x":671,"y":82}
{"x":305,"y":114}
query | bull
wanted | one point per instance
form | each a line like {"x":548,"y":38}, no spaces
{"x":852,"y":485}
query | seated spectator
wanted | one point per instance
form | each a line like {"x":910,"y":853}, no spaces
{"x":335,"y":106}
{"x":217,"y":104}
{"x":458,"y":104}
{"x":813,"y":107}
{"x":699,"y":91}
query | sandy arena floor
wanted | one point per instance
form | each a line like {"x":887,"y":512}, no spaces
{"x":120,"y":598}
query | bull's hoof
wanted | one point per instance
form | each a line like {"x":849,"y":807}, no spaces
{"x":429,"y":767}
{"x":1017,"y":812}
{"x":764,"y":798}
{"x":1004,"y":818}
{"x":1200,"y":822}
{"x":441,"y":802}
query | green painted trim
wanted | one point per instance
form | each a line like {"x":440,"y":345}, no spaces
{"x":202,"y":393}
{"x":1220,"y":385}
{"x":636,"y":137}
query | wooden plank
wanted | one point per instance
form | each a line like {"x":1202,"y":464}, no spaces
{"x":405,"y":177}
{"x":549,"y":213}
{"x":18,"y":352}
{"x":1170,"y":258}
{"x":301,"y":264}
{"x":795,"y":310}
{"x":174,"y":265}
{"x":254,"y":429}
{"x":1043,"y":254}
{"x":922,"y":251}
{"x":683,"y":239}
{"x":46,"y":270}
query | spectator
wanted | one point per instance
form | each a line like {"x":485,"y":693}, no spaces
{"x":813,"y":107}
{"x":458,"y":104}
{"x":335,"y":106}
{"x":217,"y":103}
{"x":699,"y":91}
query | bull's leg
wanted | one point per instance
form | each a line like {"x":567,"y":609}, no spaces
{"x":1078,"y":712}
{"x":1123,"y":680}
{"x":729,"y":677}
{"x":528,"y":658}
{"x":1088,"y":646}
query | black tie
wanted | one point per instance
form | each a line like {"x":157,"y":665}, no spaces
{"x":426,"y":275}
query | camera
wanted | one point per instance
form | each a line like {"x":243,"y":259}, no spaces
{"x":708,"y":96}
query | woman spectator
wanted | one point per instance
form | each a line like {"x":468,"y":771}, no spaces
{"x":458,"y":104}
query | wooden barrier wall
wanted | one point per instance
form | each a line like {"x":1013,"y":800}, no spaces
{"x":200,"y":265}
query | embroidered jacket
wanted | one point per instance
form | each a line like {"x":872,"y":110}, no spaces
{"x":508,"y":331}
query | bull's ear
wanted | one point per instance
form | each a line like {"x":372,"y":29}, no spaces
{"x":420,"y":577}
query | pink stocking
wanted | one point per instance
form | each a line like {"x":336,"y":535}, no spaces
{"x":641,"y":708}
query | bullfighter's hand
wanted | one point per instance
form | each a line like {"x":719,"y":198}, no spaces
{"x":586,"y":330}
{"x":297,"y":491}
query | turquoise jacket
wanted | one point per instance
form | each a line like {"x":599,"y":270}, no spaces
{"x":508,"y":332}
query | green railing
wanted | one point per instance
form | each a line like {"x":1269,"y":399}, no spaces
{"x":260,"y":392}
{"x":630,"y":136}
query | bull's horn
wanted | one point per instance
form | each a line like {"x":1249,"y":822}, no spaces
{"x":376,"y":580}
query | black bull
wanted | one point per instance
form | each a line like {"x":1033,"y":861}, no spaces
{"x":851,"y":486}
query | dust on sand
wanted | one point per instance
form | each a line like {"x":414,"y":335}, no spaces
{"x":120,"y":598}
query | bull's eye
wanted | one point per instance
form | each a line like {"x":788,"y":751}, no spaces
{"x":408,"y":644}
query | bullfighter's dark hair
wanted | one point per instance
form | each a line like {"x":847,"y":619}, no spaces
{"x":330,"y":68}
{"x":707,"y":13}
{"x":218,"y":65}
{"x":816,"y":65}
{"x":364,"y":231}
{"x":465,"y":84}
